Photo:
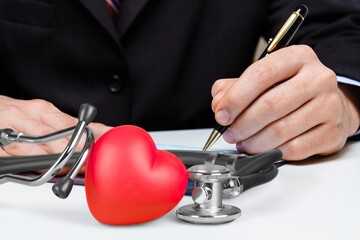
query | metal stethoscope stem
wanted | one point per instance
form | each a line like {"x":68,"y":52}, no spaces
{"x":207,"y":194}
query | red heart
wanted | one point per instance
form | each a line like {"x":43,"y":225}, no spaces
{"x":128,"y":180}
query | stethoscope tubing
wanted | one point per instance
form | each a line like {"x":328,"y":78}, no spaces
{"x":251,"y":170}
{"x":31,"y":163}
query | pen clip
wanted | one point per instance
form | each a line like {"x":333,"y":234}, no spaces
{"x":288,"y":29}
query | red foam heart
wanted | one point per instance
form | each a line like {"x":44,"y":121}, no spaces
{"x":128,"y":180}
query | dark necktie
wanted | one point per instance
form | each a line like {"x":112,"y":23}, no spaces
{"x":113,"y":6}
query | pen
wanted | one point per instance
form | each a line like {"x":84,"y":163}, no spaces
{"x":281,"y":39}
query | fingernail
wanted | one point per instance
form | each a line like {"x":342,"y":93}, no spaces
{"x":240,"y":147}
{"x":229,"y":136}
{"x":223,"y":117}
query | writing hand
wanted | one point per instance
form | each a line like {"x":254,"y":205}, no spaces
{"x":287,"y":100}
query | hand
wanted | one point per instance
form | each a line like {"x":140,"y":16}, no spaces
{"x":287,"y":100}
{"x":35,"y":118}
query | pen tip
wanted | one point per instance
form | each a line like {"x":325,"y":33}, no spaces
{"x":207,"y":145}
{"x":214,"y":136}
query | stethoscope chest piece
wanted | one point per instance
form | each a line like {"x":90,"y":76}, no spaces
{"x":207,"y":195}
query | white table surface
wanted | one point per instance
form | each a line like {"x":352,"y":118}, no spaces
{"x":312,"y":200}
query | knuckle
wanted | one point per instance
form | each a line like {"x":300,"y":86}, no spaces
{"x":41,"y":104}
{"x":10,"y":110}
{"x":279,"y":128}
{"x":213,"y":105}
{"x":341,"y":140}
{"x":218,"y":83}
{"x":336,"y":145}
{"x":339,"y":132}
{"x":293,"y":150}
{"x":327,"y":77}
{"x":215,"y":102}
{"x":304,"y":51}
{"x":218,"y":86}
{"x":333,"y":101}
{"x":249,"y":147}
{"x":215,"y":87}
{"x":341,"y":143}
{"x":271,"y":103}
{"x":231,"y":98}
{"x":261,"y":71}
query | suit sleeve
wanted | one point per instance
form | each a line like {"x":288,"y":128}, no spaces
{"x":332,"y":29}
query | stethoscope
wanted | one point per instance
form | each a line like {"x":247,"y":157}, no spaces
{"x":221,"y":175}
{"x":10,"y":166}
{"x":214,"y":175}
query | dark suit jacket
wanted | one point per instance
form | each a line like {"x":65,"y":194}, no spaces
{"x":156,"y":68}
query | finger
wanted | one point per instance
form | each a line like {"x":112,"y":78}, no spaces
{"x":5,"y":99}
{"x":34,"y":128}
{"x":286,"y":128}
{"x":99,"y":129}
{"x":322,"y":140}
{"x":18,"y":119}
{"x":3,"y":153}
{"x":35,"y":108}
{"x":55,"y":119}
{"x":44,"y":112}
{"x":218,"y":89}
{"x":19,"y":123}
{"x":30,"y":108}
{"x":58,"y":120}
{"x":279,"y":102}
{"x":23,"y":149}
{"x":221,"y":85}
{"x":258,"y":78}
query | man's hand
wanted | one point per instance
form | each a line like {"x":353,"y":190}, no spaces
{"x":36,"y":118}
{"x":287,"y":100}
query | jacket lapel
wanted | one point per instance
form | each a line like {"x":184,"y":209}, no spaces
{"x":130,"y":9}
{"x":98,"y":9}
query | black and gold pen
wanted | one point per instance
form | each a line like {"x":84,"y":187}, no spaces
{"x":281,"y":39}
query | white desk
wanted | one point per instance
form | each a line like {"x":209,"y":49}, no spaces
{"x":306,"y":201}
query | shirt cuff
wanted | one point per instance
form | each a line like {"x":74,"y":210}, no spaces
{"x":353,"y":82}
{"x":356,"y":134}
{"x":347,"y":80}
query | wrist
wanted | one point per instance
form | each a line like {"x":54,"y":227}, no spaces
{"x":352,"y":104}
